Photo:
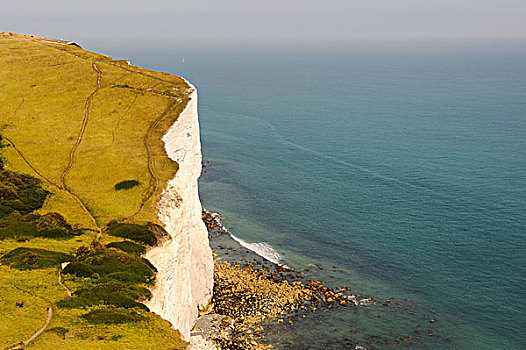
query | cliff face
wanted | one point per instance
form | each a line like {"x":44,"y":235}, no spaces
{"x":184,"y":280}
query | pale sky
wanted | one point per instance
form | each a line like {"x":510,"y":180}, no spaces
{"x":266,"y":20}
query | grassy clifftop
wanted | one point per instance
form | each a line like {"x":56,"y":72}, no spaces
{"x":85,"y":122}
{"x":82,"y":169}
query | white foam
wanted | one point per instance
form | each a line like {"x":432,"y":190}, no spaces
{"x":262,"y":249}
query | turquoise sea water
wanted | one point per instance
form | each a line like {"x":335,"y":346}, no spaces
{"x":400,"y":169}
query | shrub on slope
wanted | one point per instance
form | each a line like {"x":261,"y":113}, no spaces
{"x":19,"y":192}
{"x":149,"y":234}
{"x":112,"y":316}
{"x":111,"y":294}
{"x":112,"y":264}
{"x":23,"y":227}
{"x":128,"y":247}
{"x":126,"y":185}
{"x":33,"y":258}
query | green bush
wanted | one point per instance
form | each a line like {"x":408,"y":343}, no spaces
{"x":20,"y":192}
{"x":113,"y":316}
{"x":128,"y":247}
{"x":149,"y":234}
{"x":123,"y":86}
{"x":15,"y":229}
{"x":33,"y":258}
{"x":20,"y":195}
{"x":126,"y":277}
{"x":108,"y":262}
{"x":126,"y":184}
{"x":110,"y":294}
{"x":53,"y":225}
{"x":50,"y":225}
{"x":79,"y":269}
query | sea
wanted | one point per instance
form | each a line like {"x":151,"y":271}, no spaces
{"x":397,"y":169}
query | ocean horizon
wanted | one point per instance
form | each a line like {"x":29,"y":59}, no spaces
{"x":396,"y":170}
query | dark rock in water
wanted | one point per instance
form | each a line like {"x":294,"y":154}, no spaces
{"x":213,"y":224}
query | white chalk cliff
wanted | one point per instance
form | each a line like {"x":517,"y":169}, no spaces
{"x":184,"y":280}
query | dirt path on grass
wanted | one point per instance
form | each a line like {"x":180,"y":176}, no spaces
{"x":24,"y":343}
{"x":27,"y":161}
{"x":87,"y":105}
{"x":154,"y":179}
{"x":51,"y":182}
{"x":61,"y":283}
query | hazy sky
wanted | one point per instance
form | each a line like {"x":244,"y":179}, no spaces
{"x":266,"y":20}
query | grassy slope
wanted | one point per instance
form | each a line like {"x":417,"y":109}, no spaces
{"x":43,"y":88}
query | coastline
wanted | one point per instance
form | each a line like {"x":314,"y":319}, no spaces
{"x":259,"y":296}
{"x":184,"y":262}
{"x":87,"y":211}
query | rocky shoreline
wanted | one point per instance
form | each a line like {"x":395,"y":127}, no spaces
{"x":249,"y":291}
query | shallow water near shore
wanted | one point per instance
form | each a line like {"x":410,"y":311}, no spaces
{"x":400,"y":170}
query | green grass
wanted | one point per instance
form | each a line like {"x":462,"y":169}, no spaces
{"x":43,"y":89}
{"x":42,"y":83}
{"x":60,"y":331}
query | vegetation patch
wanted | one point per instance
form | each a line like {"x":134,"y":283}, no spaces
{"x":128,"y":247}
{"x":113,"y":316}
{"x":149,"y":234}
{"x":123,"y":86}
{"x":20,"y":196}
{"x":60,"y":331}
{"x":33,"y":258}
{"x":126,"y":184}
{"x":110,"y":294}
{"x":111,"y":264}
{"x":23,"y":227}
{"x":19,"y":192}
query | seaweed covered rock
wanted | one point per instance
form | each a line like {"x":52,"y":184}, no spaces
{"x":33,"y":258}
{"x":149,"y":234}
{"x":112,"y":264}
{"x":110,"y":294}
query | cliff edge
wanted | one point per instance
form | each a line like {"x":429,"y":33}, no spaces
{"x":87,"y":172}
{"x":184,"y":262}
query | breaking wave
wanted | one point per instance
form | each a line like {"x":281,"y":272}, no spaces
{"x":262,"y":249}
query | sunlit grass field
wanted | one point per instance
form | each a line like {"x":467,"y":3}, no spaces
{"x":43,"y":89}
{"x":81,"y":147}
